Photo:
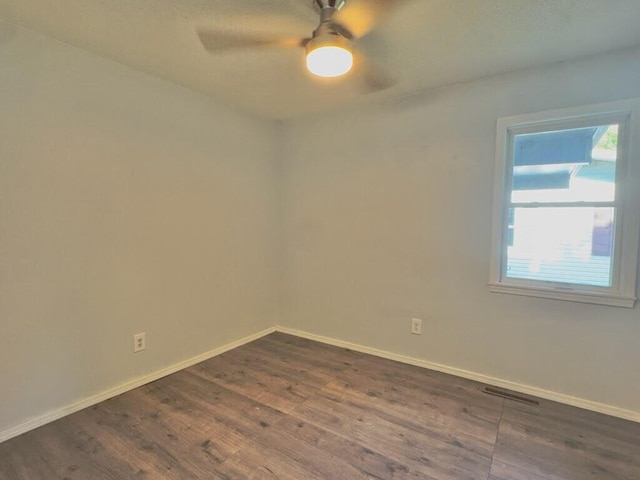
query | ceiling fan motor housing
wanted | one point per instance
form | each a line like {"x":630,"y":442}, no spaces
{"x":330,"y":33}
{"x":323,"y":37}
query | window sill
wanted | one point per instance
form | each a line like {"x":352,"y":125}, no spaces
{"x":570,"y":295}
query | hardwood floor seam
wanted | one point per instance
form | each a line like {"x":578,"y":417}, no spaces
{"x":495,"y":443}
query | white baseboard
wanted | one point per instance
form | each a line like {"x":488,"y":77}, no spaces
{"x":478,"y":377}
{"x":125,"y":387}
{"x":138,"y":382}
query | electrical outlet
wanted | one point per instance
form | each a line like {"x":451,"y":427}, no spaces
{"x":416,"y":326}
{"x":139,"y":342}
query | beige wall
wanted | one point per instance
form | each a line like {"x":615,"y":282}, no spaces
{"x":388,"y":217}
{"x":127,"y":204}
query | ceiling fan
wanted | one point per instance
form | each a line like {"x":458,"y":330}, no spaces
{"x":329,"y":49}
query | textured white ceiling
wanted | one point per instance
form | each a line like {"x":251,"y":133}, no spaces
{"x":422,"y":44}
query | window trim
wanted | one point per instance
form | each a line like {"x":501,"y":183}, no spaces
{"x":622,"y":293}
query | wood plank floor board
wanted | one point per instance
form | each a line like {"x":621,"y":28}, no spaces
{"x":505,"y":471}
{"x":218,"y":435}
{"x":67,"y":454}
{"x":575,"y":444}
{"x":200,"y":445}
{"x":452,"y":426}
{"x":589,"y":425}
{"x":320,"y":357}
{"x":501,"y":471}
{"x":286,"y":408}
{"x":422,"y":402}
{"x":427,"y":449}
{"x":48,"y":453}
{"x":281,"y":363}
{"x":91,"y":452}
{"x":273,"y":388}
{"x":245,"y":413}
{"x":285,"y":456}
{"x":373,"y":370}
{"x":134,"y":441}
{"x":363,"y":459}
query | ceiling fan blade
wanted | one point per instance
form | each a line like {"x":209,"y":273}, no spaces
{"x":220,"y":41}
{"x":373,"y":79}
{"x":361,"y":16}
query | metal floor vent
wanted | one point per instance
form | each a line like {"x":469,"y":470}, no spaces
{"x":509,"y":395}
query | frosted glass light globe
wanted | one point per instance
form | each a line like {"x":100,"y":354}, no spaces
{"x":329,"y":61}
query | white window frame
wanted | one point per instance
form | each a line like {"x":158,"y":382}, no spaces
{"x":622,"y":293}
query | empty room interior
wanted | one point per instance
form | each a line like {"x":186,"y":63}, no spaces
{"x":319,"y":239}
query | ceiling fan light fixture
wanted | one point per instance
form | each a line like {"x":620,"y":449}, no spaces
{"x":329,"y":57}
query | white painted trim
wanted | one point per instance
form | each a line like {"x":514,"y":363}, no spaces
{"x":53,"y":415}
{"x":478,"y":377}
{"x":569,"y":294}
{"x":125,"y":387}
{"x":627,"y":235}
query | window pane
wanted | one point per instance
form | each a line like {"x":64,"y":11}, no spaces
{"x":576,"y":165}
{"x":565,"y":245}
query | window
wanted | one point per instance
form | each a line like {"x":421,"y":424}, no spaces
{"x":566,"y":204}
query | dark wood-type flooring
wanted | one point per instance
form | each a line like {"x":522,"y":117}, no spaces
{"x":291,"y":409}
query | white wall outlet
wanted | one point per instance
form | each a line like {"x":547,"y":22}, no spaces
{"x":139,"y":342}
{"x":416,"y":326}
